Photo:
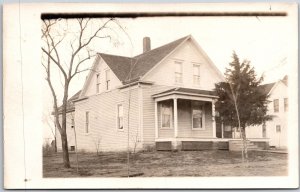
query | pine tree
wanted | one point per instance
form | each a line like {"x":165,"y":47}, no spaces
{"x":241,"y":101}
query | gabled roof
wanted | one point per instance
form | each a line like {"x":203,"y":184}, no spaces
{"x":70,"y":104}
{"x":266,"y":88}
{"x":140,"y":64}
{"x":285,"y":80}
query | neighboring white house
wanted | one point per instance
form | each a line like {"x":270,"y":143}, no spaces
{"x":276,"y":129}
{"x":163,"y":97}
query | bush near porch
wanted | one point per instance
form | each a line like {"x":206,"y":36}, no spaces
{"x":167,"y":163}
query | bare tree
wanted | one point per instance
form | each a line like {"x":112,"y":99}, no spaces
{"x":57,"y":38}
{"x":97,"y":143}
{"x":136,"y":141}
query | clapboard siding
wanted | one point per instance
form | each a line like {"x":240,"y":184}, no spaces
{"x":103,"y":121}
{"x":70,"y":132}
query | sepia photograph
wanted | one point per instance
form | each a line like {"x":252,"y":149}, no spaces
{"x":197,"y":92}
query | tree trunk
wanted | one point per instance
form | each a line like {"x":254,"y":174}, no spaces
{"x":64,"y":137}
{"x":55,"y":145}
{"x":65,"y":150}
{"x":245,"y":148}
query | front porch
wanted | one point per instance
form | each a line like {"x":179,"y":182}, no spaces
{"x":185,"y":113}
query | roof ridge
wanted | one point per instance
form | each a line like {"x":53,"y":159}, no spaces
{"x":182,"y":38}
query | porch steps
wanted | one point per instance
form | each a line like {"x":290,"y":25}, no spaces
{"x":237,"y":145}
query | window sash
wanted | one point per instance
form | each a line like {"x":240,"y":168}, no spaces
{"x":72,"y":123}
{"x":276,"y":105}
{"x":286,"y":104}
{"x":278,"y":128}
{"x":120,"y":117}
{"x":98,"y":83}
{"x":107,"y":78}
{"x":197,"y":116}
{"x":197,"y":119}
{"x":166,"y":115}
{"x":178,"y":77}
{"x":178,"y":72}
{"x":196,"y":74}
{"x":87,"y":122}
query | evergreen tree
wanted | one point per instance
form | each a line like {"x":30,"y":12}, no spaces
{"x":241,"y":100}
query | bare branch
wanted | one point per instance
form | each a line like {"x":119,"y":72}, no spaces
{"x":58,"y":64}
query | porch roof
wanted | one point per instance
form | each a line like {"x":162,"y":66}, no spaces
{"x":187,"y":92}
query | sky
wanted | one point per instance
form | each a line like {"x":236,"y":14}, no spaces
{"x":262,"y":40}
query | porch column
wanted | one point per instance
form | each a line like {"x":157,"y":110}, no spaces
{"x":175,"y":118}
{"x":213,"y":119}
{"x":156,"y":121}
{"x":222,"y":128}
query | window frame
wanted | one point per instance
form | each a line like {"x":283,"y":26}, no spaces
{"x":198,"y":75}
{"x":286,"y":104}
{"x":202,"y":108}
{"x":98,"y":82}
{"x":107,"y":79}
{"x":278,"y":126}
{"x":118,"y":117}
{"x":87,"y":122}
{"x":72,"y":123}
{"x":162,"y":105}
{"x":180,"y":73}
{"x":276,"y":108}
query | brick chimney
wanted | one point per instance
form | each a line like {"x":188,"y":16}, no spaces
{"x":146,"y":44}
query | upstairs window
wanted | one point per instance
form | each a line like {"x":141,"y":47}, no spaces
{"x":166,"y":115}
{"x":98,"y":83}
{"x":72,"y":123}
{"x":120,"y":124}
{"x":278,"y":128}
{"x":196,"y":74}
{"x":87,"y":122}
{"x":197,"y":116}
{"x":178,"y":72}
{"x":276,"y":105}
{"x":107,"y":79}
{"x":286,"y":104}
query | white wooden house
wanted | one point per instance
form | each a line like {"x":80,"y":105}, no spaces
{"x":163,"y":97}
{"x":276,"y":129}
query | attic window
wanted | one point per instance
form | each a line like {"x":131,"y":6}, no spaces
{"x":178,"y":72}
{"x":196,"y":74}
{"x":98,"y":83}
{"x":72,"y":123}
{"x":107,"y":78}
{"x":276,"y":105}
{"x":286,"y":104}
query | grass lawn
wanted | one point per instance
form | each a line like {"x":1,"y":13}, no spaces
{"x":160,"y":164}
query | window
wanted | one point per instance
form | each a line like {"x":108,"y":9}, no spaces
{"x":276,"y":105}
{"x":178,"y":72}
{"x":120,"y":117}
{"x":196,"y":74}
{"x":197,"y":116}
{"x":278,"y":128}
{"x":87,"y":122}
{"x":72,"y":148}
{"x":264,"y":130}
{"x":107,"y":78}
{"x":166,"y":115}
{"x":72,"y":123}
{"x":286,"y":104}
{"x":97,"y":83}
